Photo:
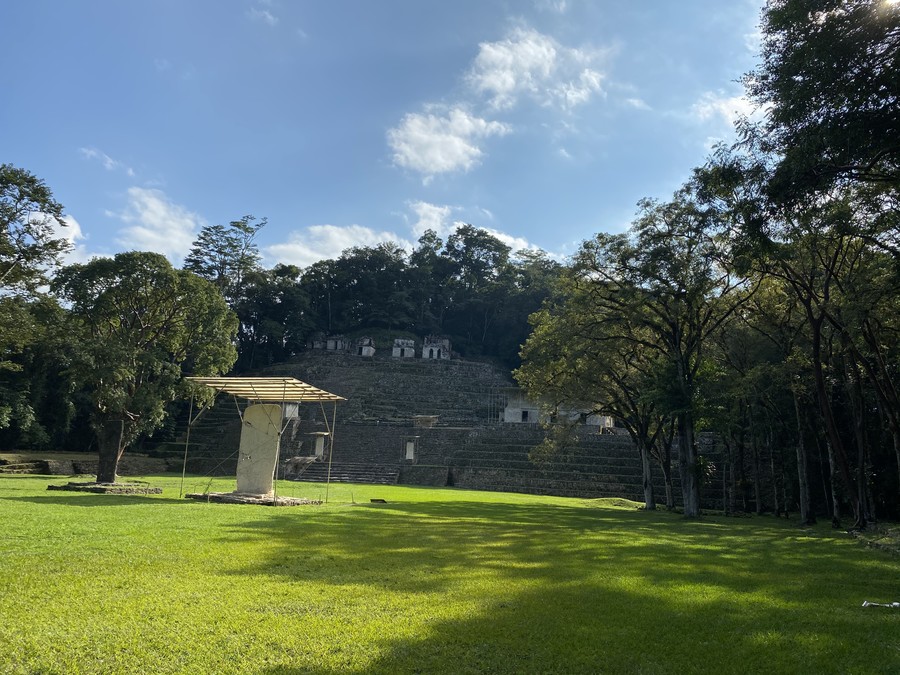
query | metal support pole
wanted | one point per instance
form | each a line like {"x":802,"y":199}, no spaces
{"x":187,"y":441}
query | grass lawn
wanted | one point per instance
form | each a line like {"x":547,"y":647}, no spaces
{"x":435,"y":580}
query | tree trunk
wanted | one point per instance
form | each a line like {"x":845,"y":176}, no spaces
{"x":757,"y":477}
{"x":742,"y":470}
{"x":837,"y":455}
{"x":833,"y":481}
{"x":807,"y":517}
{"x":857,"y":401}
{"x":770,"y":446}
{"x":109,"y":440}
{"x":649,"y":497}
{"x":727,"y":477}
{"x":667,"y":467}
{"x":895,"y":433}
{"x":687,"y":464}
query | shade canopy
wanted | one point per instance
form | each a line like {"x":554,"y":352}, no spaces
{"x":268,"y":389}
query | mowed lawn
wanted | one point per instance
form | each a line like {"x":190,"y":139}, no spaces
{"x":434,"y":580}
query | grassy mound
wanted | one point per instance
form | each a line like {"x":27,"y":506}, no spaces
{"x":431,"y":580}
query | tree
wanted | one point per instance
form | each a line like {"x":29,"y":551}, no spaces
{"x":36,"y":404}
{"x":534,"y":277}
{"x":574,"y":360}
{"x":430,"y":275}
{"x":274,"y":317}
{"x":137,"y":326}
{"x":226,"y":254}
{"x":836,"y":254}
{"x":29,"y":249}
{"x":29,"y":245}
{"x":480,"y":282}
{"x":828,"y":80}
{"x":669,"y":285}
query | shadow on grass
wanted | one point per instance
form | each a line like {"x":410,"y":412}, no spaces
{"x":575,"y":589}
{"x":91,"y":499}
{"x":531,"y":541}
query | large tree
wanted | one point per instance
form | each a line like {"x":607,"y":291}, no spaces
{"x":137,"y":325}
{"x":30,"y":248}
{"x":575,"y":359}
{"x":226,"y":255}
{"x":669,"y":285}
{"x":828,"y":81}
{"x":274,"y":317}
{"x":29,"y":243}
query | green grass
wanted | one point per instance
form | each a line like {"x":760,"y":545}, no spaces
{"x":434,"y":580}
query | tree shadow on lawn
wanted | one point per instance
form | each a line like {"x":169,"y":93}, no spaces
{"x":568,"y":628}
{"x":587,"y":590}
{"x":88,"y":499}
{"x":429,"y":547}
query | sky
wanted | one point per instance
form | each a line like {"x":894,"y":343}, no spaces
{"x":352,"y":122}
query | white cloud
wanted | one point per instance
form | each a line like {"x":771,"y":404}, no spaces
{"x":638,"y":103}
{"x":322,"y":242}
{"x":753,"y":40}
{"x":438,"y":218}
{"x":108,"y":162}
{"x":441,"y":143}
{"x":155,"y":223}
{"x":70,"y":230}
{"x":263,"y":15}
{"x":529,"y":63}
{"x":515,"y":243}
{"x":75,"y":235}
{"x":717,"y":106}
{"x":431,"y":217}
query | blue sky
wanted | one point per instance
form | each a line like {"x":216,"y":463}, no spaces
{"x":350,"y":122}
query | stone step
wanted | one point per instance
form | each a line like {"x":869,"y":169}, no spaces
{"x":349,"y":473}
{"x":36,"y":467}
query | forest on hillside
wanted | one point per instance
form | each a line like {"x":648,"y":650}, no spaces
{"x":760,"y":303}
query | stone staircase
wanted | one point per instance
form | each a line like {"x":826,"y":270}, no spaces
{"x":594,"y":466}
{"x":349,"y":473}
{"x":38,"y":468}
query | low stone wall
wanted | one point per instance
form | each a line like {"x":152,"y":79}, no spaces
{"x":129,"y":465}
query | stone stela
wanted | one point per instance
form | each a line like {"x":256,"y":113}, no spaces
{"x":258,"y":453}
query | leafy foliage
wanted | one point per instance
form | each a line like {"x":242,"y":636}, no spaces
{"x":137,"y":325}
{"x":828,"y":80}
{"x":29,"y":244}
{"x":226,"y":255}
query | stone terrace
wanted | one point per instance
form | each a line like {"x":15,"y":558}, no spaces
{"x":466,"y":448}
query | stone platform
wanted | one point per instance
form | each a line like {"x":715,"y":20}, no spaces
{"x":259,"y":500}
{"x":109,"y":488}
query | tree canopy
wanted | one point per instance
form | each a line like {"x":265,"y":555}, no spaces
{"x":137,"y":325}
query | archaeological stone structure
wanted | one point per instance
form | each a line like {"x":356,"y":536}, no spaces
{"x":433,"y":422}
{"x":365,"y":346}
{"x":404,"y":348}
{"x":435,"y":347}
